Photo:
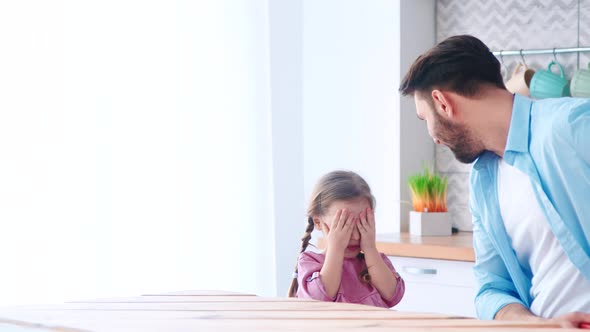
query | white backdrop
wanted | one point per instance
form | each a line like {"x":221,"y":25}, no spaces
{"x":135,"y":149}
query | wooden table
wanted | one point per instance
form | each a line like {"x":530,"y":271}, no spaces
{"x":226,"y":311}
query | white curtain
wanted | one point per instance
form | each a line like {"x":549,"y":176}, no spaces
{"x":135,"y":150}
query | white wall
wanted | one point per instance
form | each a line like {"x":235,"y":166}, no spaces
{"x":354,"y":55}
{"x":286,"y":41}
{"x":134,"y":148}
{"x":416,"y":35}
{"x":349,"y":90}
{"x":157,"y":146}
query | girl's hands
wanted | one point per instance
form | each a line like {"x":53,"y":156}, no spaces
{"x":366,"y":227}
{"x":340,"y":231}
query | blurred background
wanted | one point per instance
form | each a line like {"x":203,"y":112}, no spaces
{"x":152,"y":146}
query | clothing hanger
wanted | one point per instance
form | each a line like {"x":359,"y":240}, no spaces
{"x":522,"y":58}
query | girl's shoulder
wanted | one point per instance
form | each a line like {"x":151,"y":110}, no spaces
{"x":312,"y":256}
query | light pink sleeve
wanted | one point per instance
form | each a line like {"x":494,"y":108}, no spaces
{"x":308,"y":276}
{"x":400,"y":289}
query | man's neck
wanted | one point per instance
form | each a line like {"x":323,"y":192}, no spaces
{"x":495,"y":116}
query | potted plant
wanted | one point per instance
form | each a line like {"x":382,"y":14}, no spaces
{"x":429,"y":199}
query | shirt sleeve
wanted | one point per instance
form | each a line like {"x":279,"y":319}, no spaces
{"x":496,"y":288}
{"x":400,"y":287}
{"x":308,"y":277}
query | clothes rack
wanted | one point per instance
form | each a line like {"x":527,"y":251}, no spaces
{"x":542,"y":51}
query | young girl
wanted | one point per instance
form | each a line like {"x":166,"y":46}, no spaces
{"x":350,"y":269}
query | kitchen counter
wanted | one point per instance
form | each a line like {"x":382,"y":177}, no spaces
{"x":457,"y":247}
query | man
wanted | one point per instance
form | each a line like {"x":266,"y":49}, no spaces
{"x":529,"y":186}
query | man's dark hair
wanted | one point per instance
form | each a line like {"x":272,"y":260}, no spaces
{"x":461,"y":64}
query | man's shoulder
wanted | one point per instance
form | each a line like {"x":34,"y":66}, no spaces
{"x":561,"y":108}
{"x":567,"y":102}
{"x":554,"y":117}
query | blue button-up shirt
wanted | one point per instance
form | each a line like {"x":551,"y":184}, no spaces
{"x":549,"y":140}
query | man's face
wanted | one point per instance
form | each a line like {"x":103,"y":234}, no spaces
{"x":458,"y":137}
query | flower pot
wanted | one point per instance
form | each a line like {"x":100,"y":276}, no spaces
{"x":430,"y":223}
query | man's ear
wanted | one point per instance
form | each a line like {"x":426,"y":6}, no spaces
{"x":443,"y":103}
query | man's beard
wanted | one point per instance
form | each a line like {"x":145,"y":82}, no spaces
{"x":459,"y":140}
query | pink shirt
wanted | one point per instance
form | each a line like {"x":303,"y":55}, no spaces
{"x":352,"y":289}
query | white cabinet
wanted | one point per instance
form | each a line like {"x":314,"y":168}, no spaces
{"x":438,"y":286}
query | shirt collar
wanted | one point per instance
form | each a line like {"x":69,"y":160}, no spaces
{"x":518,"y":134}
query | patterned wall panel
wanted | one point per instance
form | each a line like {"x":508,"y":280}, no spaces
{"x":584,"y":31}
{"x":509,"y":25}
